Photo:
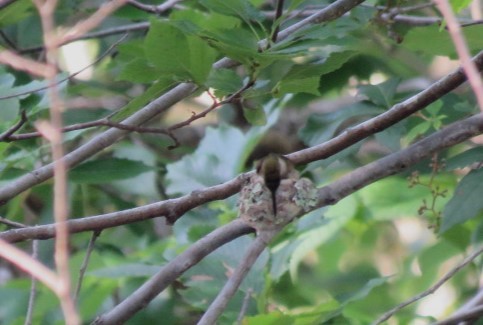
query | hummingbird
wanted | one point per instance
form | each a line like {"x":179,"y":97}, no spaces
{"x":273,"y":169}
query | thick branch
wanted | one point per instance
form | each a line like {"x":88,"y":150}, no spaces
{"x":432,"y":289}
{"x":381,"y":122}
{"x":174,"y":208}
{"x":231,"y":286}
{"x":399,"y":161}
{"x":154,"y":108}
{"x":171,"y":209}
{"x":170,"y":272}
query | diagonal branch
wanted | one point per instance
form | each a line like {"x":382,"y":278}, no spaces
{"x":381,"y":122}
{"x":171,"y":271}
{"x":432,"y":289}
{"x":174,"y":208}
{"x":231,"y":286}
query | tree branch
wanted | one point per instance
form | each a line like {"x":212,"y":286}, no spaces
{"x":474,"y":313}
{"x":154,"y":108}
{"x":219,"y":304}
{"x":432,"y":289}
{"x":174,"y":208}
{"x":167,"y":5}
{"x":381,"y":122}
{"x":171,"y":271}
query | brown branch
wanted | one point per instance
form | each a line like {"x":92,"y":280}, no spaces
{"x":140,"y":298}
{"x":167,"y":5}
{"x":94,"y":20}
{"x":12,"y":224}
{"x":46,"y":10}
{"x":474,"y":77}
{"x":472,"y":314}
{"x":278,"y":14}
{"x":102,"y":33}
{"x":392,"y":116}
{"x":231,"y":286}
{"x":7,"y":134}
{"x":432,"y":289}
{"x":33,"y":286}
{"x":102,"y":56}
{"x":18,"y":62}
{"x":85,"y":263}
{"x":173,"y":209}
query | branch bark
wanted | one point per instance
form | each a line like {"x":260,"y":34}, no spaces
{"x":171,"y":271}
{"x":219,"y":304}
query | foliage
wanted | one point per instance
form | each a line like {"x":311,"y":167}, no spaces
{"x":346,"y":263}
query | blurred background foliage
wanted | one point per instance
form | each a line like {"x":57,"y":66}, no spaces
{"x":343,"y":264}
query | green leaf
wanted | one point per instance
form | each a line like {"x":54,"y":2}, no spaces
{"x":224,"y":81}
{"x":107,"y":170}
{"x":139,"y":70}
{"x":381,"y":94}
{"x":214,"y":162}
{"x":255,"y":116}
{"x":337,"y":216}
{"x":459,"y":5}
{"x":220,"y":156}
{"x":333,"y":62}
{"x":322,"y":127}
{"x":196,"y":21}
{"x":364,"y":291}
{"x":10,"y":106}
{"x":176,"y":54}
{"x":466,"y":202}
{"x":441,"y":43}
{"x":10,"y":173}
{"x":238,"y":8}
{"x":15,"y":12}
{"x":465,"y":159}
{"x":418,"y":131}
{"x":237,"y":44}
{"x":211,"y":273}
{"x":305,"y":85}
{"x":154,"y":91}
{"x":386,"y":203}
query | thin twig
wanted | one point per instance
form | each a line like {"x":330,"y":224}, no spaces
{"x":171,"y":271}
{"x":244,"y":307}
{"x":8,"y":41}
{"x":167,"y":5}
{"x":85,"y":263}
{"x":23,"y":119}
{"x":471,"y":23}
{"x":278,"y":14}
{"x":432,"y":289}
{"x":102,"y":33}
{"x":8,"y":136}
{"x":471,"y":314}
{"x":474,"y":78}
{"x":219,"y":304}
{"x":33,"y":287}
{"x":12,"y":224}
{"x":102,"y":56}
